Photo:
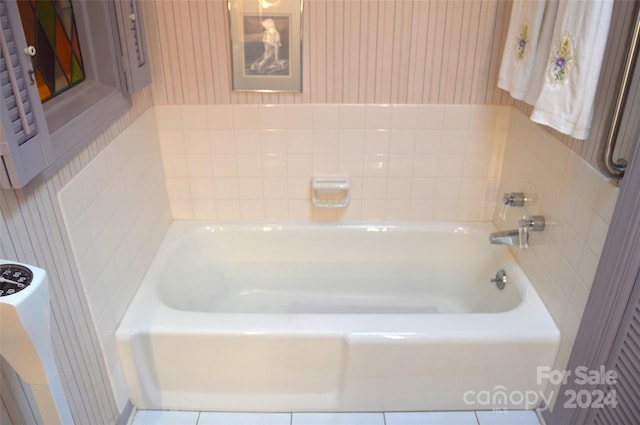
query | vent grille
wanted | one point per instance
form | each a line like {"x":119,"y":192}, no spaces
{"x":627,"y":387}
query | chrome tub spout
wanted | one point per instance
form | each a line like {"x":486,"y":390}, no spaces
{"x":519,"y":237}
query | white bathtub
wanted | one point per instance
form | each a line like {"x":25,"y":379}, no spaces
{"x":326,"y":317}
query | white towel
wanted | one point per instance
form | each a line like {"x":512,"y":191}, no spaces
{"x":542,"y":52}
{"x":573,"y":67}
{"x":521,"y":47}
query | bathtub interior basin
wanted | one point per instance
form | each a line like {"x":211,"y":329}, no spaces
{"x":354,"y":269}
{"x":326,"y":317}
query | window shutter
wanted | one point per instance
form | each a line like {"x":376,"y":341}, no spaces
{"x":25,"y":145}
{"x":134,"y":52}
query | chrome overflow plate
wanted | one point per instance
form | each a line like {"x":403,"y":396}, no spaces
{"x":500,"y":279}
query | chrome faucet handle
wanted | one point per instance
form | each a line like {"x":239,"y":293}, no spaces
{"x":511,"y":199}
{"x":514,"y":199}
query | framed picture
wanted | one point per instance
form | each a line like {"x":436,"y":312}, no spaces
{"x":266,"y":45}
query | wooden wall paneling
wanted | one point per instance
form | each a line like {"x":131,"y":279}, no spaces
{"x":418,"y":44}
{"x":434,"y":67}
{"x":203,"y":74}
{"x":401,"y":47}
{"x":318,"y":32}
{"x":188,"y":60}
{"x":154,"y":52}
{"x":466,"y":67}
{"x":369,"y":32}
{"x":351,"y":57}
{"x":32,"y":231}
{"x":451,"y":51}
{"x":354,"y":51}
{"x":222,"y":70}
{"x":335,"y":14}
{"x":16,"y":399}
{"x":305,"y":96}
{"x":385,"y":33}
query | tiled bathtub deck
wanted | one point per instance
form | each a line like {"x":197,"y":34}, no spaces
{"x":156,"y":417}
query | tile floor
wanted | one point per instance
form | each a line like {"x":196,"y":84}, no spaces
{"x":158,"y":417}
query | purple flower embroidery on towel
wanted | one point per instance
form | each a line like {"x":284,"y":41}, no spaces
{"x":523,"y":40}
{"x":561,"y":61}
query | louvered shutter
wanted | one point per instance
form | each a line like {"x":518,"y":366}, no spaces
{"x":625,"y":360}
{"x":134,"y":52}
{"x":25,"y":145}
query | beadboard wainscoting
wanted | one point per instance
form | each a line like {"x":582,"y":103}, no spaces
{"x":354,"y":51}
{"x":32,"y":230}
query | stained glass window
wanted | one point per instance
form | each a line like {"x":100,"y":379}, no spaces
{"x":50,"y":27}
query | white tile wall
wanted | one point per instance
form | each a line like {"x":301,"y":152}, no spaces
{"x":406,"y":162}
{"x":116,"y":212}
{"x":577,"y":203}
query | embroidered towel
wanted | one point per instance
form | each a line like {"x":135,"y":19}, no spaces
{"x":573,"y":67}
{"x":521,"y":47}
{"x":542,"y":52}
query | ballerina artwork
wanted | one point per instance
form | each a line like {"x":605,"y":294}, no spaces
{"x":266,"y":45}
{"x":274,"y":52}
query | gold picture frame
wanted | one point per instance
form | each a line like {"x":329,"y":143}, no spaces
{"x":266,"y":45}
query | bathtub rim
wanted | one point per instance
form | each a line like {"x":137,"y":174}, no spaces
{"x":147,"y":313}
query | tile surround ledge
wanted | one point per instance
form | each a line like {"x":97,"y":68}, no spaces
{"x":577,"y":202}
{"x":116,"y":212}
